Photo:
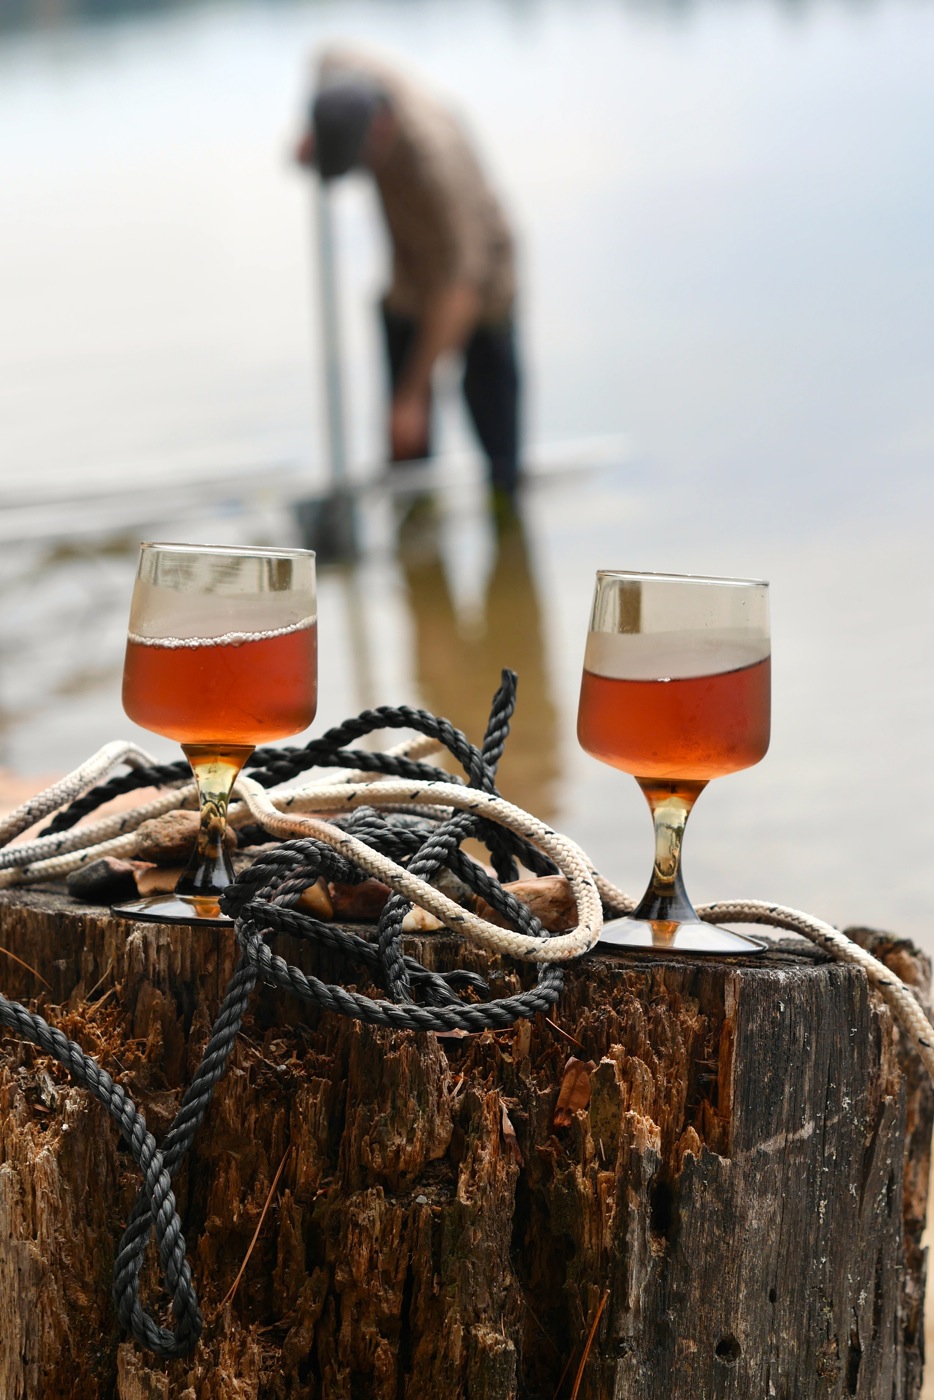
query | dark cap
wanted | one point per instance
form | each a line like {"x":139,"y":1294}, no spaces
{"x":341,"y":115}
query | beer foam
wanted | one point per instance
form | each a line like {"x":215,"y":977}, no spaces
{"x":210,"y":614}
{"x":226,"y":639}
{"x":655,"y":656}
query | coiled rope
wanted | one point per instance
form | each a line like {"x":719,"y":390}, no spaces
{"x":407,"y":852}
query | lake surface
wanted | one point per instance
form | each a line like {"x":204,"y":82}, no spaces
{"x":727,"y":223}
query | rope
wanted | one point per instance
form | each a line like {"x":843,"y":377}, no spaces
{"x":568,"y":857}
{"x":901,"y":998}
{"x":101,"y":763}
{"x":388,"y":815}
{"x":157,"y":1183}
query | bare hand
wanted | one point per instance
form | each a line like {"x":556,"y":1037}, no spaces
{"x":305,"y":150}
{"x":408,"y":426}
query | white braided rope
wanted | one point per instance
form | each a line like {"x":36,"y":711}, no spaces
{"x":93,"y":771}
{"x":287,"y":812}
{"x":343,"y":797}
{"x":87,"y":838}
{"x":41,"y":859}
{"x":901,"y":998}
{"x":59,"y":866}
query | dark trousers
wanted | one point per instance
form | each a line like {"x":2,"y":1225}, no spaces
{"x":491,"y":389}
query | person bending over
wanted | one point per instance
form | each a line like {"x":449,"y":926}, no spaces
{"x":453,"y":278}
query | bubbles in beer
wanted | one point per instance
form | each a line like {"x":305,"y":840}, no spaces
{"x":236,"y":688}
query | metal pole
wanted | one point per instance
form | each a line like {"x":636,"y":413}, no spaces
{"x":330,"y":337}
{"x":329,"y":523}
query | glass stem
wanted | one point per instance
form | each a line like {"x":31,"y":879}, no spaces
{"x":215,"y":767}
{"x":665,"y":901}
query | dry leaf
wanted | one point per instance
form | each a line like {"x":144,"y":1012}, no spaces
{"x":157,"y":879}
{"x":363,"y":902}
{"x":574,"y":1093}
{"x":315,"y":900}
{"x":419,"y":920}
{"x":509,"y":1134}
{"x":549,"y":897}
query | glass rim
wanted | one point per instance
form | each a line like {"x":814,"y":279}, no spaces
{"x":682,"y":578}
{"x":232,"y":550}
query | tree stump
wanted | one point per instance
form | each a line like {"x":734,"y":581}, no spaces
{"x":701,"y":1179}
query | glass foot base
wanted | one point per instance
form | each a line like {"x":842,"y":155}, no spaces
{"x":173,"y":909}
{"x":657,"y":937}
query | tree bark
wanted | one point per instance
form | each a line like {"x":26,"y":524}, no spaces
{"x":726,"y":1202}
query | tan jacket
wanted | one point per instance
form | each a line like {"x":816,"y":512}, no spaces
{"x":444,"y":221}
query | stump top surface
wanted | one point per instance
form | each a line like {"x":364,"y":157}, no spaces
{"x":786,"y":953}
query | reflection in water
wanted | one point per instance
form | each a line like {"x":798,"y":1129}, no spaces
{"x":58,"y":640}
{"x":458,"y":662}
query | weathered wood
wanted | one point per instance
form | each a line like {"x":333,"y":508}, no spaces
{"x":738,"y":1168}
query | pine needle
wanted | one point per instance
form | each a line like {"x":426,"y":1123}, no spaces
{"x":588,"y":1344}
{"x":547,"y":1335}
{"x":561,"y":1031}
{"x":101,"y":1001}
{"x":228,"y":1297}
{"x":100,"y":981}
{"x":26,"y":965}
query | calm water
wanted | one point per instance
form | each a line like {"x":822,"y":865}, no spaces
{"x":727,"y":218}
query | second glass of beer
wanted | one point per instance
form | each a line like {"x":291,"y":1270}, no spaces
{"x":221,"y":656}
{"x":676,"y":691}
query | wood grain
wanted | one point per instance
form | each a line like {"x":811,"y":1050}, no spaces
{"x":746,"y":1179}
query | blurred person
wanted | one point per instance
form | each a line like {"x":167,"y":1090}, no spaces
{"x":453,"y":278}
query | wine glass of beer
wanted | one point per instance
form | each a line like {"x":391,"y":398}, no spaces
{"x":221,"y":656}
{"x":676,"y":691}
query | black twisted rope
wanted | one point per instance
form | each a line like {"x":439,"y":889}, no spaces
{"x":263,"y":903}
{"x":270,"y":766}
{"x":157,"y":1182}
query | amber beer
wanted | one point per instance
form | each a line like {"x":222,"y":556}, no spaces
{"x":693,"y":726}
{"x":240,"y":689}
